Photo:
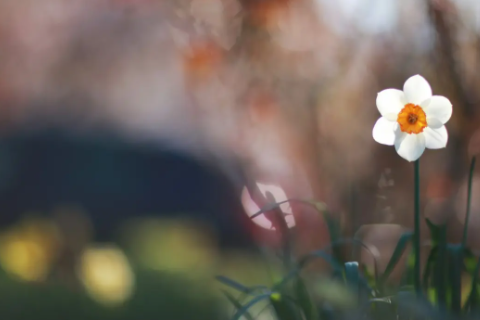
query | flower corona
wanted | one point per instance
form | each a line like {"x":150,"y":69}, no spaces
{"x":412,"y":119}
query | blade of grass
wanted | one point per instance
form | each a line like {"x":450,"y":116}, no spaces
{"x":304,"y":261}
{"x":244,"y":309}
{"x":432,"y":257}
{"x":440,"y":267}
{"x":333,"y":228}
{"x":455,"y":270}
{"x":469,"y":200}
{"x":352,"y":276}
{"x":322,"y":254}
{"x":304,"y":300}
{"x":402,"y":243}
{"x":332,"y":224}
{"x":473,"y":298}
{"x":238,"y":286}
{"x":281,"y":226}
{"x":285,"y":308}
{"x":237,"y":304}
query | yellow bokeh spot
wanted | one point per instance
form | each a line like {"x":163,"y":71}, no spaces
{"x":106,"y":274}
{"x":29,"y":249}
{"x":178,"y":246}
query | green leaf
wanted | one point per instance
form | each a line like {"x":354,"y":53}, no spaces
{"x":244,"y":309}
{"x":352,"y":275}
{"x":397,"y":253}
{"x":473,"y":299}
{"x":285,"y":308}
{"x":431,"y":260}
{"x":455,"y":271}
{"x":269,"y":207}
{"x":332,"y":225}
{"x":303,"y":262}
{"x":435,"y":231}
{"x":304,"y":300}
{"x":469,"y":200}
{"x":407,"y":277}
{"x":238,"y":286}
{"x":440,"y":278}
{"x":237,"y":304}
{"x":320,"y":254}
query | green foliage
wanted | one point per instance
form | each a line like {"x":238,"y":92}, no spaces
{"x":157,"y":296}
{"x":352,"y":292}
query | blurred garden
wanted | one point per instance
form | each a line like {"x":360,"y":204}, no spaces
{"x":239,"y":159}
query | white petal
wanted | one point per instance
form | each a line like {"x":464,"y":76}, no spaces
{"x":439,"y":108}
{"x":435,"y":138}
{"x":390,"y":102}
{"x":384,"y":131}
{"x":417,"y":90}
{"x":434,"y":123}
{"x":409,"y":146}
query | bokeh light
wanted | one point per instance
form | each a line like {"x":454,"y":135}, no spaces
{"x":106,"y":274}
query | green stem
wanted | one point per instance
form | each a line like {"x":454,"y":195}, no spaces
{"x":416,"y":239}
{"x":469,"y":200}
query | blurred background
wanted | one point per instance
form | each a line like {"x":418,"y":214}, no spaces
{"x":137,"y":136}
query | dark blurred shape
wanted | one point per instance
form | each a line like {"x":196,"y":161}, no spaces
{"x":112,"y":180}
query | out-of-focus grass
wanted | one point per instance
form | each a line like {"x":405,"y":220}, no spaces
{"x":165,"y":272}
{"x":157,"y":296}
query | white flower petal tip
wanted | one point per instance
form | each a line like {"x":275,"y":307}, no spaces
{"x":390,"y":102}
{"x":436,"y":138}
{"x":412,"y":120}
{"x":417,"y":90}
{"x":384,"y":131}
{"x":410,"y":146}
{"x":438,"y":109}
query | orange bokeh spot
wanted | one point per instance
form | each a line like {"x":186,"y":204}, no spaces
{"x":266,"y":13}
{"x":412,"y":119}
{"x":202,"y":59}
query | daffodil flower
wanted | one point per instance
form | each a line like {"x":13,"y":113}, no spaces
{"x":412,"y":119}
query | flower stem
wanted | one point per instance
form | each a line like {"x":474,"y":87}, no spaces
{"x":416,"y":239}
{"x":469,"y":200}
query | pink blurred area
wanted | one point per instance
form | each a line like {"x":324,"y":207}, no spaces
{"x":287,"y":87}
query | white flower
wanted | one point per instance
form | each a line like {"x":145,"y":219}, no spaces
{"x":412,"y":119}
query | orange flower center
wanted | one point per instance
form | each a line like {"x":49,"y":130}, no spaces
{"x":412,"y":119}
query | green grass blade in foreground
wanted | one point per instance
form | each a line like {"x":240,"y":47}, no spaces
{"x":473,"y":299}
{"x":402,"y":243}
{"x":238,"y":286}
{"x":332,"y":225}
{"x":356,"y":281}
{"x":469,"y":200}
{"x":455,"y":272}
{"x":244,"y":309}
{"x":285,"y":308}
{"x":352,"y":275}
{"x":237,"y":304}
{"x":304,"y":300}
{"x":429,"y":270}
{"x":304,"y":261}
{"x":439,"y":238}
